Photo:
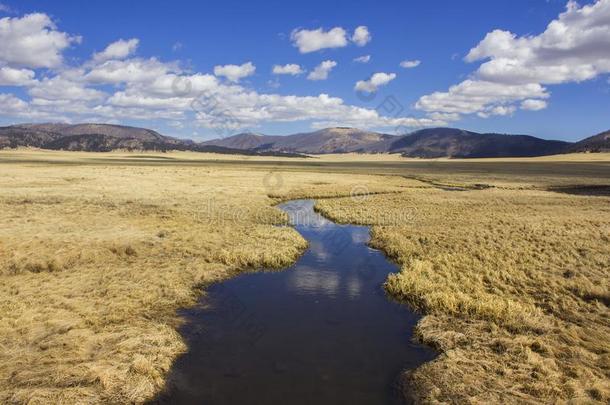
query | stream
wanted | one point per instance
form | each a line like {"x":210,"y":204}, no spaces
{"x":322,"y":331}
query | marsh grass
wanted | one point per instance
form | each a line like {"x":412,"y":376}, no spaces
{"x":96,"y":259}
{"x":98,"y":251}
{"x":92,"y":271}
{"x":514,"y":284}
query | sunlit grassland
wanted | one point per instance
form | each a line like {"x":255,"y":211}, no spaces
{"x":96,"y":259}
{"x":98,"y":251}
{"x":515,"y":284}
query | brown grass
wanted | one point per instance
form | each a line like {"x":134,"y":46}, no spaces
{"x":515,"y":285}
{"x":97,"y":251}
{"x":95,"y":260}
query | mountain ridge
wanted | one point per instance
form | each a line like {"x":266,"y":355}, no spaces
{"x":106,"y":138}
{"x":423,"y":143}
{"x":595,"y":143}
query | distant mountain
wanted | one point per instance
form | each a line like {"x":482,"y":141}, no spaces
{"x":85,"y":137}
{"x":245,"y":140}
{"x":329,"y":140}
{"x":424,"y":143}
{"x":105,"y":138}
{"x":596,"y":143}
{"x":115,"y":131}
{"x":451,"y":142}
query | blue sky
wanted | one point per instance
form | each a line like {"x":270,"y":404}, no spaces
{"x":568,"y":98}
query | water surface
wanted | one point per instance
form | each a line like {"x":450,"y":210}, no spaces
{"x":322,"y":331}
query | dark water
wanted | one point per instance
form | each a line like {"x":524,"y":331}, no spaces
{"x":322,"y":331}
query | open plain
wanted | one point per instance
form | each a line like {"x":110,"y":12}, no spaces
{"x":508,"y":259}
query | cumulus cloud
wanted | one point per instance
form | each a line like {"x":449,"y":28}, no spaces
{"x":313,"y":40}
{"x":198,"y":97}
{"x":472,"y":96}
{"x":444,"y":117}
{"x":409,"y":64}
{"x":11,"y":104}
{"x":289,"y":69}
{"x":59,"y":88}
{"x":497,"y":110}
{"x":117,"y":50}
{"x":533,"y":105}
{"x":322,"y":70}
{"x":16,"y":77}
{"x":14,"y":107}
{"x":129,"y":71}
{"x":377,"y":80}
{"x":361,"y":36}
{"x":250,"y":108}
{"x":235,"y":73}
{"x":114,"y":86}
{"x":573,"y":48}
{"x":363,"y":59}
{"x":32,"y":41}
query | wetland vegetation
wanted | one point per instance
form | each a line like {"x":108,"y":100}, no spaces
{"x":98,"y":252}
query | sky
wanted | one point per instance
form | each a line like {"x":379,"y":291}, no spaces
{"x":205,"y":70}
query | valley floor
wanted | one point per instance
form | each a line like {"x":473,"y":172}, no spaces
{"x":507,"y":259}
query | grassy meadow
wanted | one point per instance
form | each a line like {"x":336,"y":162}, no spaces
{"x":507,"y":259}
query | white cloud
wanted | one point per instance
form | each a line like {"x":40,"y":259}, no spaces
{"x":377,"y":80}
{"x":249,"y":108}
{"x":533,"y":105}
{"x":322,"y":70}
{"x":573,"y":48}
{"x":444,"y":116}
{"x":361,"y":36}
{"x":235,"y":72}
{"x":363,"y":59}
{"x":198,"y":97}
{"x":289,"y":69}
{"x":497,"y":110}
{"x":313,"y":40}
{"x":14,"y":107}
{"x":117,"y":50}
{"x":172,"y":85}
{"x":32,"y":41}
{"x":150,"y":89}
{"x":16,"y":77}
{"x":409,"y":64}
{"x":472,"y":96}
{"x":11,"y":104}
{"x":59,"y":88}
{"x":129,"y":71}
{"x":135,"y":99}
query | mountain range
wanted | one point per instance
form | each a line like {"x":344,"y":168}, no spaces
{"x":424,"y":143}
{"x":106,"y":138}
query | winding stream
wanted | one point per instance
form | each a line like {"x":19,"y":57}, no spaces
{"x":322,"y":331}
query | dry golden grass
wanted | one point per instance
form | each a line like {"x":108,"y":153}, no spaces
{"x":95,"y":260}
{"x":97,"y":251}
{"x":515,"y":285}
